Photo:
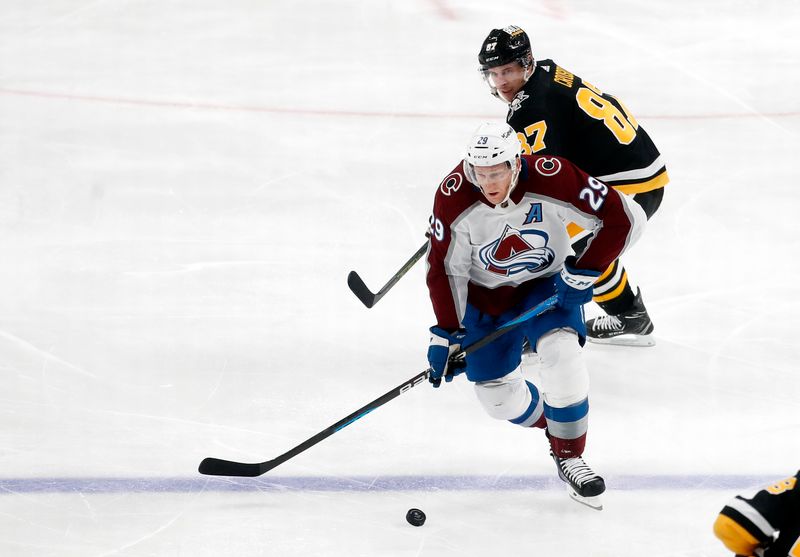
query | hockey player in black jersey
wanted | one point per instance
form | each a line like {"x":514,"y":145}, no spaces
{"x":766,"y":524}
{"x":555,"y":112}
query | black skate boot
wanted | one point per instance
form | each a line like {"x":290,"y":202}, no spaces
{"x":583,"y":484}
{"x":629,"y":328}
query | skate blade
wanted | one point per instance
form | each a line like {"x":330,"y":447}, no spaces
{"x":595,"y":502}
{"x":625,"y":340}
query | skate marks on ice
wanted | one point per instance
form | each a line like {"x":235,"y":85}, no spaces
{"x":393,"y":483}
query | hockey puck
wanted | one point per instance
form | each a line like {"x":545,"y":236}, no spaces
{"x":415,"y":517}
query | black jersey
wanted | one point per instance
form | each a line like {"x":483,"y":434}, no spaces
{"x":768,"y":523}
{"x":557,"y":113}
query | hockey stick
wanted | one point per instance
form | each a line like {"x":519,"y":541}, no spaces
{"x":219,"y":467}
{"x":366,"y":296}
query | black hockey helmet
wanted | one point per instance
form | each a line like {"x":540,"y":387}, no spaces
{"x":502,"y":46}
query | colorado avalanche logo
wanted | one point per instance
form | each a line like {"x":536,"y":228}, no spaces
{"x":451,"y":184}
{"x":547,"y":166}
{"x":517,"y":251}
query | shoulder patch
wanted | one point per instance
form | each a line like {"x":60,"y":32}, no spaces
{"x":516,"y":104}
{"x":547,"y":166}
{"x":451,"y":183}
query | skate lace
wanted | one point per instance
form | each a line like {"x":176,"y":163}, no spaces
{"x":607,"y":323}
{"x":577,"y":470}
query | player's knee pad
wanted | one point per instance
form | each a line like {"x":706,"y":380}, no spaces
{"x":507,"y":398}
{"x":529,"y":359}
{"x":563,"y":372}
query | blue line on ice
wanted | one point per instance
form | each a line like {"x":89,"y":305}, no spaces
{"x":368,"y":483}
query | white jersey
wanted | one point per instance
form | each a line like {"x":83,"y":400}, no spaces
{"x":486,"y":254}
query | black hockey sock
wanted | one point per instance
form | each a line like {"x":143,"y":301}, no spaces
{"x":621,"y":302}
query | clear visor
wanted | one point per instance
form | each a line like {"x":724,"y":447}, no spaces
{"x":480,"y":175}
{"x":508,"y":76}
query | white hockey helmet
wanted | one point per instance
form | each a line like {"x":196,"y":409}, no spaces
{"x":490,"y":145}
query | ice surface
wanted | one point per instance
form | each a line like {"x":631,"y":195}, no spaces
{"x":184,"y":187}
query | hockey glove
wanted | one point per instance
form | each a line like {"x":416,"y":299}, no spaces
{"x":441,"y":347}
{"x":574,"y":286}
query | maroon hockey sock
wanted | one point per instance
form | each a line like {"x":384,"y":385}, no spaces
{"x":541,"y":423}
{"x":567,"y":448}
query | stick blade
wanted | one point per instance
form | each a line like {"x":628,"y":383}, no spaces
{"x":360,"y":289}
{"x":219,"y":467}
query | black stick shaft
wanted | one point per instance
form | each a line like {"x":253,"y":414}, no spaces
{"x":220,"y":467}
{"x":363,"y":293}
{"x":535,"y":311}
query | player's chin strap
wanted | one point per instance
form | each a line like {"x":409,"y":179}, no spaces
{"x":532,"y":69}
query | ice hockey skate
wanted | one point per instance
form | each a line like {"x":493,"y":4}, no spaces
{"x":629,"y":328}
{"x":583,"y":485}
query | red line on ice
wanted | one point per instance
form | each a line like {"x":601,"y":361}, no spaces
{"x":205,"y":105}
{"x":444,"y":9}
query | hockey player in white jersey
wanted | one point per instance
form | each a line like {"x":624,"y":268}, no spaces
{"x":498,"y":247}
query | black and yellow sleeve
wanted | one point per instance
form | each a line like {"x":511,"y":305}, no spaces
{"x":766,"y":520}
